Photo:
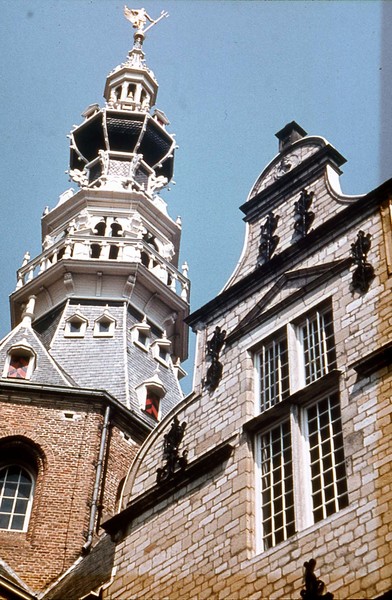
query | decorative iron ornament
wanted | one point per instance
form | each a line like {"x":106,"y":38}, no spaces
{"x":214,"y":371}
{"x":314,"y":587}
{"x":268,"y":241}
{"x":303,"y":217}
{"x":171,"y":454}
{"x":364,"y":273}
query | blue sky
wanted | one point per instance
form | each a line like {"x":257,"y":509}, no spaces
{"x":231,"y":74}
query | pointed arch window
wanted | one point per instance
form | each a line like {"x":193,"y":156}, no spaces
{"x":16,"y":496}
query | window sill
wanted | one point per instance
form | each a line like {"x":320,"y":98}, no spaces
{"x":299,"y":398}
{"x":141,"y":346}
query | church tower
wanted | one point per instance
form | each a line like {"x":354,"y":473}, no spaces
{"x":93,"y":360}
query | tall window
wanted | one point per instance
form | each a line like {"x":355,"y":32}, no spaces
{"x":328,"y":472}
{"x":316,"y":335}
{"x":297,"y":493}
{"x":277,"y":485}
{"x":274,"y":372}
{"x":16,"y":494}
{"x":311,"y":346}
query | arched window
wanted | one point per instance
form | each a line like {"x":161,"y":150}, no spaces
{"x":16,"y":496}
{"x":116,"y":229}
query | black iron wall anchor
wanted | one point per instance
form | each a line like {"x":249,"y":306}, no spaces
{"x":303,"y":217}
{"x":364,"y":273}
{"x":314,"y":587}
{"x":175,"y":462}
{"x":213,"y":349}
{"x":268,"y":241}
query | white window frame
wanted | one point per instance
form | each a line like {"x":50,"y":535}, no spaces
{"x":295,"y":414}
{"x":104,"y":318}
{"x":75,"y":318}
{"x":144,"y":329}
{"x":29,"y":505}
{"x":20,"y":350}
{"x":156,"y":347}
{"x":297,"y":417}
{"x":296,"y":364}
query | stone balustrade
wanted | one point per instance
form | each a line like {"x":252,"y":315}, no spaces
{"x":124,"y":250}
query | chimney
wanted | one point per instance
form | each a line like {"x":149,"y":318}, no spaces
{"x":290,"y":133}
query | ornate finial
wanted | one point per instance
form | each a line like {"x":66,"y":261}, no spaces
{"x":139,"y":17}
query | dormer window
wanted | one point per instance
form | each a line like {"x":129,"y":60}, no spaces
{"x":152,"y":404}
{"x":19,"y":363}
{"x":104,"y":326}
{"x":150,"y":394}
{"x":141,"y":335}
{"x":75,"y":326}
{"x":161,"y":350}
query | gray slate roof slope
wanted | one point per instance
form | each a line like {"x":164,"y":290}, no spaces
{"x":46,"y":370}
{"x":142,"y":366}
{"x":93,"y":362}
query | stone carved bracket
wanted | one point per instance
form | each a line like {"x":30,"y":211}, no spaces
{"x":314,"y":587}
{"x":268,"y":241}
{"x":364,"y":273}
{"x":213,"y":349}
{"x":171,"y":454}
{"x":303,"y":217}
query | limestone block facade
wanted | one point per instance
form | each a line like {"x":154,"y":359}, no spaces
{"x":287,"y":442}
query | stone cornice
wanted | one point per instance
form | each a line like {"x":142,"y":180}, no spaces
{"x":71,"y":394}
{"x":372,"y":362}
{"x":201,"y":466}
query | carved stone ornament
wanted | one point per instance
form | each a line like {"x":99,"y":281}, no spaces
{"x":303,"y":217}
{"x":285,"y":165}
{"x":171,"y":454}
{"x":268,"y":241}
{"x":364,"y":273}
{"x":314,"y":587}
{"x":213,"y":349}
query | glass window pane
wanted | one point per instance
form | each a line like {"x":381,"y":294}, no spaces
{"x":318,"y":344}
{"x":15,"y":496}
{"x":328,"y":472}
{"x":277,"y":489}
{"x":273,"y":372}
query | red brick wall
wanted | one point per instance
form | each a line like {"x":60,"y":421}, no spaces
{"x":68,"y":452}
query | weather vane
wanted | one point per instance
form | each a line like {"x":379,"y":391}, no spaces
{"x":139,"y":17}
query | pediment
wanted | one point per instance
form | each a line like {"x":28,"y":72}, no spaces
{"x":290,"y":287}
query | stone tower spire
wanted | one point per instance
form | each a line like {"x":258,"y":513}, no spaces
{"x":107,"y":282}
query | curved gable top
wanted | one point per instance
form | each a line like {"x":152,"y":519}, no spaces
{"x":287,"y":160}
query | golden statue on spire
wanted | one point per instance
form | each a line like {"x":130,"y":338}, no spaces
{"x":139,"y":17}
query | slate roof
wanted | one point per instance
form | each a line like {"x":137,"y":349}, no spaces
{"x":47,"y":370}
